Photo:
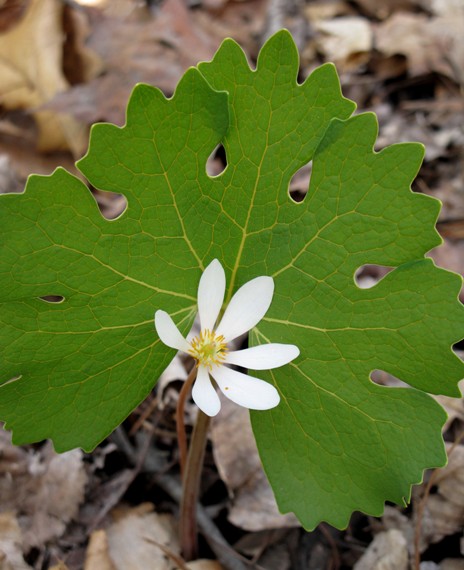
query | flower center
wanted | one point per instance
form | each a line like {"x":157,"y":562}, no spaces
{"x":208,"y":349}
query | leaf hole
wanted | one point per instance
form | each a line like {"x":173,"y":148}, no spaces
{"x":383,"y":378}
{"x":217,"y":161}
{"x":299,"y":183}
{"x":370,"y":274}
{"x":52,"y":299}
{"x":111,"y":204}
{"x":458,"y":349}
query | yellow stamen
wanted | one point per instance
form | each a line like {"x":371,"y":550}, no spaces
{"x":208,"y":349}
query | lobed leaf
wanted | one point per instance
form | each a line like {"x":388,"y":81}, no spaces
{"x":72,"y":371}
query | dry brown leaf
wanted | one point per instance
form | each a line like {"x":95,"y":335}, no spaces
{"x":97,"y":556}
{"x":430,"y":44}
{"x":346,"y":41}
{"x":44,"y":489}
{"x":31,"y":74}
{"x":168,"y":41}
{"x":10,"y":12}
{"x":137,"y":540}
{"x":165,"y":47}
{"x":11,"y":542}
{"x":398,"y":128}
{"x":326,"y":10}
{"x":234,"y":447}
{"x":388,"y":551}
{"x":80,"y":64}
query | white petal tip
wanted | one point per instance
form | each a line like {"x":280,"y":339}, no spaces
{"x":244,"y":390}
{"x":210,"y":413}
{"x":294,"y":350}
{"x":272,"y":401}
{"x":204,"y":394}
{"x":215,"y":263}
{"x":211,"y":291}
{"x":169,"y":333}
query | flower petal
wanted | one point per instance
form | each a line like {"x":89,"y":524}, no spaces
{"x":245,"y":390}
{"x":211,"y":291}
{"x":169,"y":333}
{"x":246,"y":308}
{"x":263,"y":357}
{"x":204,"y":394}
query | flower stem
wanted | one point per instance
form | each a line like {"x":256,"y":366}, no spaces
{"x":180,"y":424}
{"x":191,"y":487}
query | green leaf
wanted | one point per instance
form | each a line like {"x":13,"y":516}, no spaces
{"x":73,"y":370}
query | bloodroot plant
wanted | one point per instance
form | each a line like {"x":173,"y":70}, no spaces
{"x":330,"y":439}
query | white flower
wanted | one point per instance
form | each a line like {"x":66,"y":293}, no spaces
{"x":210,"y":348}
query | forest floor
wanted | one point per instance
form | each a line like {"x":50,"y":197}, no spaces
{"x":115,"y":509}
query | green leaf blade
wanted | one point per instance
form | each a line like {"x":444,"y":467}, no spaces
{"x":337,"y":442}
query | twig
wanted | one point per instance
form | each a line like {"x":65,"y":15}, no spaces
{"x":333,"y":545}
{"x":144,"y":416}
{"x":225,"y":554}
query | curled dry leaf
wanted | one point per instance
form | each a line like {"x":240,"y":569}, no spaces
{"x":31,"y":74}
{"x":253,"y":504}
{"x":388,"y":551}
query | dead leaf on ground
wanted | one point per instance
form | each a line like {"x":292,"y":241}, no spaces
{"x":388,"y":551}
{"x":31,"y":74}
{"x":381,"y":10}
{"x":452,"y":564}
{"x":43,"y":488}
{"x":11,"y":544}
{"x":169,"y":40}
{"x":97,"y":555}
{"x":346,"y":41}
{"x":134,"y":539}
{"x":10,"y":12}
{"x":234,"y":448}
{"x":203,"y":565}
{"x":444,"y":510}
{"x":430,"y":44}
